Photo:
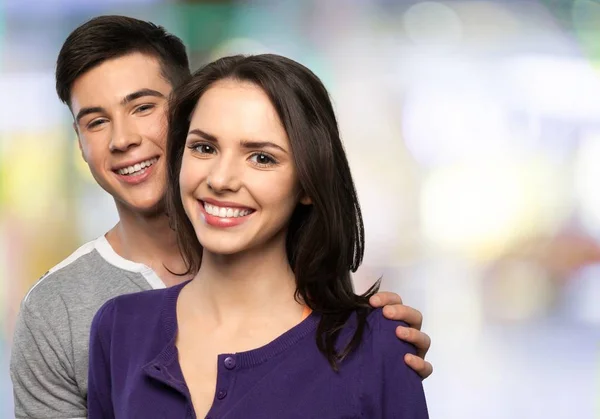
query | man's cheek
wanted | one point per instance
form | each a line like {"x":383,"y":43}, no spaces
{"x":159,"y":135}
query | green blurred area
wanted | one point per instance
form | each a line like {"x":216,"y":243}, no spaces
{"x":586,"y":25}
{"x":582,"y":19}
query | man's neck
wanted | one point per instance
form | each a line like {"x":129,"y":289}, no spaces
{"x":148,"y":239}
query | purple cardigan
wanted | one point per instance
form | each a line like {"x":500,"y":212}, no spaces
{"x":134,"y":370}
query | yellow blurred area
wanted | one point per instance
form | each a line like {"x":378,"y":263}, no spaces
{"x":79,"y":163}
{"x":33,"y":165}
{"x":480,"y":210}
{"x":36,"y":209}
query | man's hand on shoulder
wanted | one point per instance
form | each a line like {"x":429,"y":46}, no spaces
{"x":393,"y":309}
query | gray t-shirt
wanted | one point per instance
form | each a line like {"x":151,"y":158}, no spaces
{"x":49,"y":360}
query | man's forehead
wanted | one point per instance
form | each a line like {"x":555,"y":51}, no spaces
{"x":112,"y":81}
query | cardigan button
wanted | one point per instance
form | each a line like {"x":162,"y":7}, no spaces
{"x":229,"y":363}
{"x":221,"y":394}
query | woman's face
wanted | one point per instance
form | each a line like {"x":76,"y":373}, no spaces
{"x":238,"y":181}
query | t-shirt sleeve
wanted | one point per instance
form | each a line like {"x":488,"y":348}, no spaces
{"x":99,"y":401}
{"x":42,"y":374}
{"x":391,"y":388}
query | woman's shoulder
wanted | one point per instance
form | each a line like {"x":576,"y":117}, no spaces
{"x":379,"y":333}
{"x":376,"y":320}
{"x":390,"y":387}
{"x":143,"y":307}
{"x":131,"y":303}
{"x":382,"y":334}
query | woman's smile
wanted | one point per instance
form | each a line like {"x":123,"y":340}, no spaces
{"x":224,"y":216}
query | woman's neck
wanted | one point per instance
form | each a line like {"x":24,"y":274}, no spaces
{"x":258,"y":282}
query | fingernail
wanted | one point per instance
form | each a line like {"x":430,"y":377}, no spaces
{"x":376,"y":300}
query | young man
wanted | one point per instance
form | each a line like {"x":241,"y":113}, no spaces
{"x":115,"y":74}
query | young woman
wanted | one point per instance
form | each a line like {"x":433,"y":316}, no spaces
{"x":266,"y":212}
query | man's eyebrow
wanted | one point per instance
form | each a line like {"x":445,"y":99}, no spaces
{"x":86,"y":111}
{"x":141,"y":93}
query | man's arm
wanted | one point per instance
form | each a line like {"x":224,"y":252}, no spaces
{"x":395,"y":310}
{"x":41,"y":373}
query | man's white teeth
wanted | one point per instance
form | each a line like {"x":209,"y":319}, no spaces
{"x":225,"y":212}
{"x":137,"y":167}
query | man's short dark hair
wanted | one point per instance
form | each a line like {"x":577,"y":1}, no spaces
{"x":107,"y":37}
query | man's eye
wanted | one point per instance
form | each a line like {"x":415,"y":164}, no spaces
{"x":143,"y":108}
{"x":96,"y":122}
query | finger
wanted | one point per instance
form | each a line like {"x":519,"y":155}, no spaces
{"x":419,"y":365}
{"x":406,"y":314}
{"x":420,"y":340}
{"x":385,"y":298}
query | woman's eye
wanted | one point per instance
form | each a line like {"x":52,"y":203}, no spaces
{"x":263,"y":159}
{"x":204,"y":149}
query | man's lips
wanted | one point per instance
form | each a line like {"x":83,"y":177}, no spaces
{"x":137,"y":173}
{"x":134,"y":166}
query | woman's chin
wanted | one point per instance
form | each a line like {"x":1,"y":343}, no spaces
{"x":223,"y":248}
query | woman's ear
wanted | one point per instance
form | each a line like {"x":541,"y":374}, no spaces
{"x":305,"y":200}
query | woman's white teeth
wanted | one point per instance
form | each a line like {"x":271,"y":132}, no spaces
{"x":137,"y":167}
{"x":225,"y":212}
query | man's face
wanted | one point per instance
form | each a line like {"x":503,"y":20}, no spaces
{"x":120,"y":110}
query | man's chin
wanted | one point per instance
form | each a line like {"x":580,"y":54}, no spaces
{"x":148,"y":209}
{"x":157,"y":210}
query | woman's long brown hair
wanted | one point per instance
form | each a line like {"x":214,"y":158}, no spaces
{"x":325,"y":240}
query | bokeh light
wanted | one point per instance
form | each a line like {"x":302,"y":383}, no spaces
{"x":586,"y":178}
{"x":430,"y":22}
{"x":479,"y":210}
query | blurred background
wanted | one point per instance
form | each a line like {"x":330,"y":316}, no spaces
{"x":473,"y":132}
